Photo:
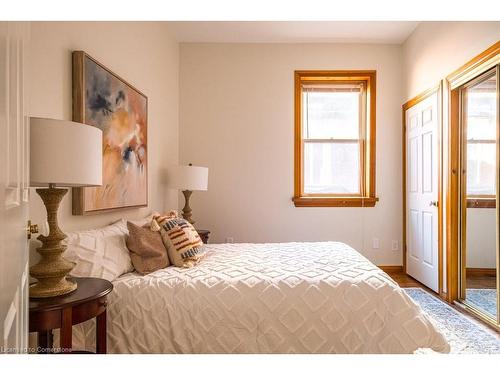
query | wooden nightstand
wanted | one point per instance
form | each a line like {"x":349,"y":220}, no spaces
{"x":88,"y":301}
{"x":204,"y":234}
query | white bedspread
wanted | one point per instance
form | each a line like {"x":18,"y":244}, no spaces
{"x":265,"y":298}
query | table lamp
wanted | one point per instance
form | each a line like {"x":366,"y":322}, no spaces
{"x":62,"y":153}
{"x":188,"y":178}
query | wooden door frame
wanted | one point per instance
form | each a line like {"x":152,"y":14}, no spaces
{"x":453,"y":83}
{"x":409,"y":104}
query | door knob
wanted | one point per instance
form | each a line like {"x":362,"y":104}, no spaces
{"x":433,"y":203}
{"x":31,"y":229}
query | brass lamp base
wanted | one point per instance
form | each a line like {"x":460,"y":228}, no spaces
{"x":186,"y":211}
{"x":58,"y":288}
{"x":52,"y":269}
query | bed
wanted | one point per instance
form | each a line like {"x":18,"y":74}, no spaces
{"x":321,"y":297}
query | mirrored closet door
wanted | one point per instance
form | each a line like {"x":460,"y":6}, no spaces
{"x":479,"y":222}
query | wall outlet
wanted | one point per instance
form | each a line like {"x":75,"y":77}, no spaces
{"x":395,"y":245}
{"x":229,"y":239}
{"x":376,"y":243}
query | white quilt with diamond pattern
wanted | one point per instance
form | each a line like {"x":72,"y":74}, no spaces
{"x":319,"y":297}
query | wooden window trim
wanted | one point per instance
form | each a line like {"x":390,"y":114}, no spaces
{"x":367,"y":140}
{"x":481,"y":202}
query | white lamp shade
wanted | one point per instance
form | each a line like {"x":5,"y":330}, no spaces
{"x":187,"y":177}
{"x":64,"y":153}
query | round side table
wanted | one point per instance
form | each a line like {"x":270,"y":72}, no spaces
{"x":204,"y":234}
{"x":88,"y":301}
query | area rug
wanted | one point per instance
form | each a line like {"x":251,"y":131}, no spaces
{"x":484,"y":299}
{"x":464,"y":334}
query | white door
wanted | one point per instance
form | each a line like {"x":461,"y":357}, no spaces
{"x":422,"y":137}
{"x":14,"y":193}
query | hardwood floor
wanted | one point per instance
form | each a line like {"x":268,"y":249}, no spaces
{"x":476,"y":281}
{"x":481,"y":282}
{"x":406,"y":281}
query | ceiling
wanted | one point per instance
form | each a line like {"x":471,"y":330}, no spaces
{"x":390,"y":32}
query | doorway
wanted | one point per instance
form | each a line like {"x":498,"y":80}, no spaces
{"x":422,"y":193}
{"x":473,"y":192}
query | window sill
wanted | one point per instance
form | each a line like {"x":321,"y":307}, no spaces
{"x":481,"y":203}
{"x":335,"y":201}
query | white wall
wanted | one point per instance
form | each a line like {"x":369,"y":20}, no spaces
{"x":436,"y":49}
{"x":236,"y":117}
{"x":481,"y":238}
{"x":144,"y":55}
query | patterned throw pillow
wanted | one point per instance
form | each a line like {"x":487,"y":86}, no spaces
{"x":184,"y":245}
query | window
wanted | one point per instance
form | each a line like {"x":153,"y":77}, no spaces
{"x":479,"y":103}
{"x":335,"y":138}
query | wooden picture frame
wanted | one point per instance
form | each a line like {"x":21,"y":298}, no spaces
{"x":103,"y":99}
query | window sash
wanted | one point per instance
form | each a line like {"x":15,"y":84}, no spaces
{"x":359,"y":87}
{"x":473,"y":198}
{"x":361,"y":144}
{"x":339,"y":87}
{"x":480,"y":142}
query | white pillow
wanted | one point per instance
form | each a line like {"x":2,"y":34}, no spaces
{"x":99,"y":252}
{"x":141,"y":222}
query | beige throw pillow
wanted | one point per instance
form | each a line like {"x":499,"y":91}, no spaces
{"x":146,"y":247}
{"x":184,"y":245}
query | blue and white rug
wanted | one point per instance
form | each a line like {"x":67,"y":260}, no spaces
{"x":484,"y":299}
{"x":464,"y":334}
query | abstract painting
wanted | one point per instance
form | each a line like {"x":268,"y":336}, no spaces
{"x":104,"y":100}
